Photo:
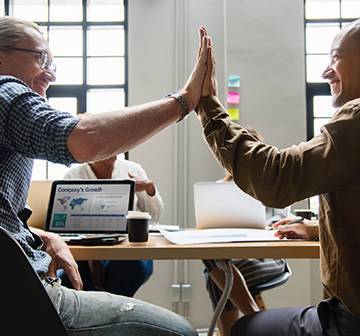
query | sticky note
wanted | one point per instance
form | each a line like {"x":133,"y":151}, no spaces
{"x":234,"y":113}
{"x":234,"y":81}
{"x":233,"y":97}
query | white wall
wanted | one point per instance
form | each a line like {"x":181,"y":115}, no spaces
{"x":261,"y":41}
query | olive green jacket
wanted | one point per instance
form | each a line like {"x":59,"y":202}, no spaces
{"x":328,"y":165}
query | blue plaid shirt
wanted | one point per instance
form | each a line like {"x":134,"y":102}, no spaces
{"x":29,"y":128}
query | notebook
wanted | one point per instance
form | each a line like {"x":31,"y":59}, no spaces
{"x":225,"y":205}
{"x":90,"y":212}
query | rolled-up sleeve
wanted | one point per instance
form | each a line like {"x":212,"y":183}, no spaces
{"x":31,"y":127}
{"x":279,"y":177}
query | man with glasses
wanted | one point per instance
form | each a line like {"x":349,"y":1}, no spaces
{"x":30,"y":128}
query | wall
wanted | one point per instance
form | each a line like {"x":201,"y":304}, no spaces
{"x":265,"y":45}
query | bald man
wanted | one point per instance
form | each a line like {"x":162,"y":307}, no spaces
{"x":329,"y":166}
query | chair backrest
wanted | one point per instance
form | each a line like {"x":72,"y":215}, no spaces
{"x":26,"y":308}
{"x":273,"y":282}
{"x":38,"y":199}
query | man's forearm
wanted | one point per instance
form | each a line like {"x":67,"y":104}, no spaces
{"x":276,"y":177}
{"x":102,"y":135}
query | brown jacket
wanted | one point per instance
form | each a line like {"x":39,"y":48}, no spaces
{"x":328,"y":165}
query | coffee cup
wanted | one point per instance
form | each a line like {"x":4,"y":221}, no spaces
{"x":138,"y":226}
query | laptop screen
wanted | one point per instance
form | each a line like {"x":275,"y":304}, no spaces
{"x":89,"y":206}
{"x":224,"y":205}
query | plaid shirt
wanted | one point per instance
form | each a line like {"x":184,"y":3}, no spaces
{"x":29,"y":128}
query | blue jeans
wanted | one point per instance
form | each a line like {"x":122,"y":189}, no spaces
{"x":122,"y":277}
{"x":103,"y":314}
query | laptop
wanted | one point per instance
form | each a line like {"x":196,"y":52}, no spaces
{"x":90,"y":212}
{"x":225,"y":205}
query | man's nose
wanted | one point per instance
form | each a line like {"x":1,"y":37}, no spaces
{"x":327,"y":72}
{"x":51,"y":75}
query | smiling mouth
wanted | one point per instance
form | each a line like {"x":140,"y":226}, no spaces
{"x":42,"y":85}
{"x":334,"y":83}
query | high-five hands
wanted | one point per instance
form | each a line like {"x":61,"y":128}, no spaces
{"x":192,"y":91}
{"x":210,"y":83}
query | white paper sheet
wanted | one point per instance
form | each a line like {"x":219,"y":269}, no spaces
{"x":157,"y":227}
{"x":218,"y":236}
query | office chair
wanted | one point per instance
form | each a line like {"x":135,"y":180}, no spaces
{"x":255,"y":291}
{"x":26,"y":308}
{"x":272,"y":283}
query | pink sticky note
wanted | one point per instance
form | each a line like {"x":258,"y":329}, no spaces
{"x":233,"y":97}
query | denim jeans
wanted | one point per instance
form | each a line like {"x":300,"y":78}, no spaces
{"x":100,"y":313}
{"x":122,"y":277}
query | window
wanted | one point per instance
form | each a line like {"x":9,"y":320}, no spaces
{"x":88,"y":39}
{"x":323,"y":19}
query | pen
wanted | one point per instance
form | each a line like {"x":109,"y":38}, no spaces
{"x":297,"y":219}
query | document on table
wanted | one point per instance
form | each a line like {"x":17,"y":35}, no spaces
{"x":218,"y":236}
{"x":156,"y":227}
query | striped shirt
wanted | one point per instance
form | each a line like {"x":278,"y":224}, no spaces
{"x":29,"y":128}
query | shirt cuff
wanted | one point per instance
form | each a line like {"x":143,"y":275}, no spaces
{"x":313,"y":230}
{"x":155,"y":200}
{"x":209,"y":108}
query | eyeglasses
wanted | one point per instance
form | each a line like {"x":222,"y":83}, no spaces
{"x":46,"y":63}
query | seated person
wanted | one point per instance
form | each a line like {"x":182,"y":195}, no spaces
{"x":123,"y":277}
{"x":248,"y":273}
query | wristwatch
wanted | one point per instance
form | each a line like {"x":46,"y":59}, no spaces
{"x":182,"y":102}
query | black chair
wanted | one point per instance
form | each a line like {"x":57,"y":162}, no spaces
{"x":269,"y":284}
{"x":26,"y":309}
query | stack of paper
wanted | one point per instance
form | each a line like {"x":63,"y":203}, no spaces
{"x":218,"y":236}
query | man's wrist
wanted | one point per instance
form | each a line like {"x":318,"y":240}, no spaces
{"x":150,"y":189}
{"x":47,"y":236}
{"x":183,"y":103}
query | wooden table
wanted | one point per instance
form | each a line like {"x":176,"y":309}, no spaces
{"x":158,"y":248}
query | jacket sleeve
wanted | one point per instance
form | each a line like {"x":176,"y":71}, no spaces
{"x":277,"y":177}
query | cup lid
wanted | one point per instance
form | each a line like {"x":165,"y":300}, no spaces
{"x":138,"y":215}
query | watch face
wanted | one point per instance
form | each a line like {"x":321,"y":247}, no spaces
{"x":182,"y":102}
{"x":172,"y":95}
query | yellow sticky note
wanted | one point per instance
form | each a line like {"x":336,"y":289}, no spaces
{"x":234,"y":113}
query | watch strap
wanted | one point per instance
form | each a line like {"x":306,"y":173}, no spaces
{"x":182,"y":102}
